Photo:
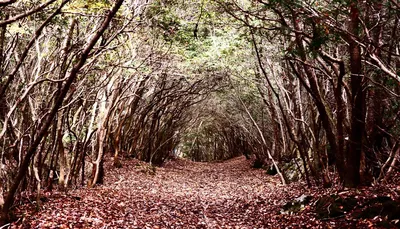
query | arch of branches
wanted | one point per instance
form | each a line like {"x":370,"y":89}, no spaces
{"x":86,"y":81}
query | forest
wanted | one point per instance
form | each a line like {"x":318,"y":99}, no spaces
{"x":199,"y":113}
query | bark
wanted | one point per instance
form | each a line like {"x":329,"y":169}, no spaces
{"x":1,"y":197}
{"x":352,"y":178}
{"x":102,"y":132}
{"x":61,"y":150}
{"x":36,"y":172}
{"x":117,"y":140}
{"x":54,"y":156}
{"x":3,"y":30}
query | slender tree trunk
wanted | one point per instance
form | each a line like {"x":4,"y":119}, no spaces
{"x":61,"y":150}
{"x":3,"y":30}
{"x":105,"y":112}
{"x":352,"y":178}
{"x":117,"y":142}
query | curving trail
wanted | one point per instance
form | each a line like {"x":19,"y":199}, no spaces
{"x":182,"y":194}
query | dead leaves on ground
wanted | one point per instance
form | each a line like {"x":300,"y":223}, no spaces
{"x":182,"y":194}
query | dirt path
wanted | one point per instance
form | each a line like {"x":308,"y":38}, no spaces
{"x":181,"y":194}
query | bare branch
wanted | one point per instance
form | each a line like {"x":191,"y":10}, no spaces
{"x":383,"y":67}
{"x":20,"y":16}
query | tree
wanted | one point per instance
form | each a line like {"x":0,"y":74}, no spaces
{"x":57,"y":104}
{"x":310,"y":32}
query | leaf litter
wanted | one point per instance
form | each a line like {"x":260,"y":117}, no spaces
{"x":186,"y":194}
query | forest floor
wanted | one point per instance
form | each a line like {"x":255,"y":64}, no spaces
{"x":184,"y":194}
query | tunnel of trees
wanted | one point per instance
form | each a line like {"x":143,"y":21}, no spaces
{"x":86,"y":81}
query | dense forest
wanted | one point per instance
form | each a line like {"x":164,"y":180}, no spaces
{"x":305,"y":89}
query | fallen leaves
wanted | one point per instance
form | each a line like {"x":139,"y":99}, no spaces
{"x":184,"y":194}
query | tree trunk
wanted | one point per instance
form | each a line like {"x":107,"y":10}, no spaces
{"x":352,"y":178}
{"x":105,"y":113}
{"x":61,"y":150}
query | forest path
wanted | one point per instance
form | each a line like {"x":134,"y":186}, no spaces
{"x":184,"y":194}
{"x":181,"y":194}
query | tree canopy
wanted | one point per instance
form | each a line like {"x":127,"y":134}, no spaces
{"x":316,"y":83}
